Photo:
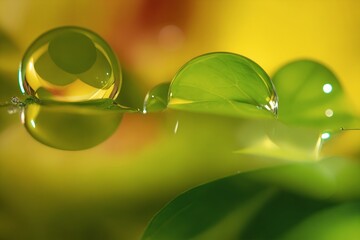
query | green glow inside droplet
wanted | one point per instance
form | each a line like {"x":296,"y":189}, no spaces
{"x":72,"y":51}
{"x":70,"y":64}
{"x":157,"y":98}
{"x":71,"y":126}
{"x":223,"y":83}
{"x":311,"y":95}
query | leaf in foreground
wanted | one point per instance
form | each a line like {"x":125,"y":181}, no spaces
{"x":281,"y":202}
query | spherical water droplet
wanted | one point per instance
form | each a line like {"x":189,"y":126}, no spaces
{"x":71,"y":126}
{"x":311,"y":95}
{"x":223,"y":83}
{"x":70,"y":64}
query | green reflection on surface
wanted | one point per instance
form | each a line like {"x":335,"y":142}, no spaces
{"x":71,"y":126}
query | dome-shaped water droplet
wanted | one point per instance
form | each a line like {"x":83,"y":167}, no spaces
{"x":157,"y":98}
{"x":223,"y":83}
{"x":70,"y":64}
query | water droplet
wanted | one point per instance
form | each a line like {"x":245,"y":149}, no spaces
{"x":223,"y":83}
{"x":70,"y":64}
{"x":71,"y":126}
{"x":15,"y":100}
{"x":311,"y":96}
{"x":157,"y":98}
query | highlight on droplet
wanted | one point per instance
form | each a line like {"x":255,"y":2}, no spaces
{"x":327,"y":88}
{"x":325,"y":135}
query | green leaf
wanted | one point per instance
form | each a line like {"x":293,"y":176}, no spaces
{"x":225,"y":84}
{"x":338,"y":222}
{"x":193,"y":213}
{"x":311,"y":95}
{"x":283,"y":201}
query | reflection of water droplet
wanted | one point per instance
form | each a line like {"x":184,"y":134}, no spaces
{"x":297,"y":140}
{"x":71,"y":126}
{"x":12,"y":109}
{"x":70,"y":64}
{"x":327,"y":88}
{"x":223,"y":83}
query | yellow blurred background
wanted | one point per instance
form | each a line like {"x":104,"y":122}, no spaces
{"x":111,"y":191}
{"x":153,"y":38}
